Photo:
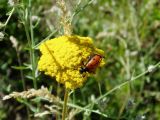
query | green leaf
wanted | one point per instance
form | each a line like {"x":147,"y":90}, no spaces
{"x":20,"y":67}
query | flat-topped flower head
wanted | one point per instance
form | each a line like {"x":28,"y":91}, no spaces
{"x":63,"y":57}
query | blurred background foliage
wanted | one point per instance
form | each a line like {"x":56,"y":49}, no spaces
{"x":127,"y":30}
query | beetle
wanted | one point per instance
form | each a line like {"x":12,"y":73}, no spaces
{"x":92,"y":64}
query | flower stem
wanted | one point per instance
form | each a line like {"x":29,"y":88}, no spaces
{"x":65,"y":104}
{"x":33,"y":60}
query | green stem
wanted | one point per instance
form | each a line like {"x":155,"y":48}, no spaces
{"x":32,"y":52}
{"x":99,"y":87}
{"x":30,"y":38}
{"x":21,"y":71}
{"x":10,"y":14}
{"x":65,"y":104}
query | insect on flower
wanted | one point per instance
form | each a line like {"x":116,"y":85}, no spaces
{"x":92,"y":64}
{"x":64,"y":64}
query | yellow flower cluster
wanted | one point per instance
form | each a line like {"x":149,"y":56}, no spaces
{"x":63,"y":57}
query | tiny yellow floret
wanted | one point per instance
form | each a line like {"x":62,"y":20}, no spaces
{"x":63,"y":57}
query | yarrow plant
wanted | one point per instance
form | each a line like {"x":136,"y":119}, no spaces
{"x":64,"y":56}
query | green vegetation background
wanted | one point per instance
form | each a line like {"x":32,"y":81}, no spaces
{"x":127,"y":30}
